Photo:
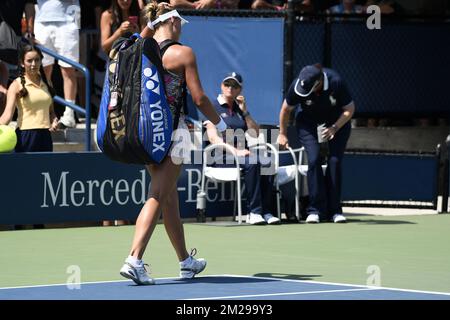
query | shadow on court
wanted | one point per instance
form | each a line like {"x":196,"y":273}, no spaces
{"x":213,"y":280}
{"x":378,"y":222}
{"x":284,"y":276}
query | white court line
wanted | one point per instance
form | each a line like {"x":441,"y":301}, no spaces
{"x":73,"y":284}
{"x":279,"y":294}
{"x":341,"y":284}
{"x":98,"y":282}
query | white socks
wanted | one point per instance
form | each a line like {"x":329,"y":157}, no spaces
{"x":133,"y":261}
{"x":69,"y":109}
{"x":186,"y":261}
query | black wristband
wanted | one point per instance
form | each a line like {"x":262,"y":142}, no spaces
{"x":245,"y":114}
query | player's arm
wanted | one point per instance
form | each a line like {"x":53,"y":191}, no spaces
{"x":10,"y":103}
{"x":53,"y":118}
{"x":285,"y":113}
{"x":195,"y":87}
{"x":107,"y":38}
{"x":345,"y":116}
{"x":214,"y":137}
{"x":211,"y":131}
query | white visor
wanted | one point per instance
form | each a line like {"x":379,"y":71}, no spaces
{"x":166,"y":16}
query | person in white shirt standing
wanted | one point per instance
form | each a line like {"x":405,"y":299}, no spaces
{"x":56,"y":27}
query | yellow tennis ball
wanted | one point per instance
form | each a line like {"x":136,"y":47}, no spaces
{"x":8,"y":138}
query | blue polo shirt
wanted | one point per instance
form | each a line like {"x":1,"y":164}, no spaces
{"x":326,"y":107}
{"x":230,"y":116}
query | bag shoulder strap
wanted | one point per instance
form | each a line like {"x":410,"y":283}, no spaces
{"x":166,"y":44}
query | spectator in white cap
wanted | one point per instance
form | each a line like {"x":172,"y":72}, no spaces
{"x":231,"y":106}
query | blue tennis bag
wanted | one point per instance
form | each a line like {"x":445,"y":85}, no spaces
{"x":135,"y":121}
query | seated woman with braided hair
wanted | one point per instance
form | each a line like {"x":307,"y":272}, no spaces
{"x":33,"y":97}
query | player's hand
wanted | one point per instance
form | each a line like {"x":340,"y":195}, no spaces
{"x":329,"y":133}
{"x":282,"y":141}
{"x":242,"y":152}
{"x":125,"y":26}
{"x":205,"y":4}
{"x":241,"y":103}
{"x":54,"y":125}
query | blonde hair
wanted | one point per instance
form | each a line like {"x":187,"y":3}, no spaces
{"x":153,"y":10}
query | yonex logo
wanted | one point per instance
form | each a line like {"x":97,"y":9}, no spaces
{"x":157,"y":113}
{"x":153,"y":82}
{"x":157,"y":116}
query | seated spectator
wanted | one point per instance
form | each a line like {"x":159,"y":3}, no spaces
{"x":120,"y":20}
{"x":386,"y":6}
{"x":194,"y":5}
{"x":33,"y":97}
{"x":269,"y":5}
{"x":12,"y":12}
{"x":228,"y":4}
{"x":231,"y":106}
{"x":3,"y":85}
{"x":345,"y":7}
{"x":305,"y":6}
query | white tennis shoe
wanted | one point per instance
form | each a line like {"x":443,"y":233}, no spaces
{"x":312,"y":218}
{"x":190,"y":267}
{"x":136,"y":273}
{"x":339,"y":218}
{"x":270,"y":219}
{"x":255,"y":219}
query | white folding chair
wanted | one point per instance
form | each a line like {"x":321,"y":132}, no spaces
{"x":284,"y":174}
{"x":221,"y":174}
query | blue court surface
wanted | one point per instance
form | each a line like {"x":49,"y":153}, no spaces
{"x":218,"y":287}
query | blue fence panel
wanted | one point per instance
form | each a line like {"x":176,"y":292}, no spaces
{"x":252,"y":47}
{"x":398,"y":69}
{"x":308,"y":45}
{"x":389,"y":177}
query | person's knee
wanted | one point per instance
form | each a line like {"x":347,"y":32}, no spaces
{"x":159,"y":195}
{"x":252,"y":166}
{"x":171,"y":198}
{"x":314,"y":160}
{"x":334,"y":161}
{"x":68,"y":72}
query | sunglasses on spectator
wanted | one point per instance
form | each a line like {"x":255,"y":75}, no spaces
{"x":231,"y":84}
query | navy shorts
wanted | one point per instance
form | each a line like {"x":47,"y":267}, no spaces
{"x":34,"y":140}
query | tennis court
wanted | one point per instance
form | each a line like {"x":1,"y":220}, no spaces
{"x":217,"y":287}
{"x":370,"y":257}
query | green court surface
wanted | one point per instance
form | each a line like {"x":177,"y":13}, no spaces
{"x":408,"y":252}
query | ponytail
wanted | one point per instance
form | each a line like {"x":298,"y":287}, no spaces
{"x":23,"y":92}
